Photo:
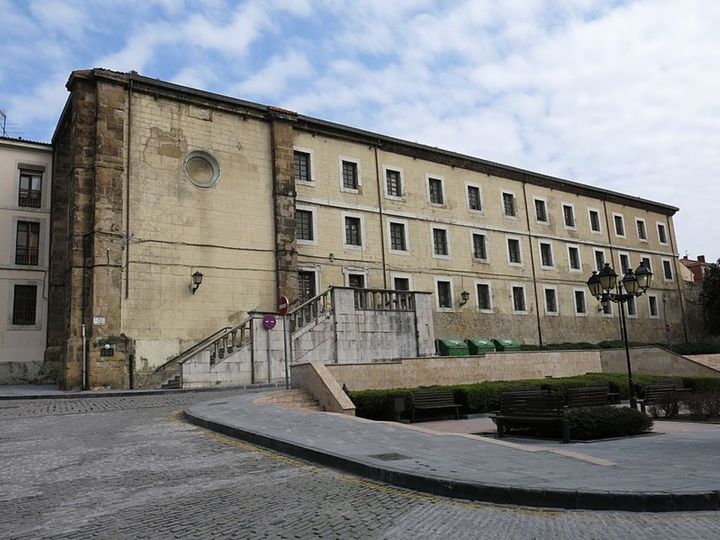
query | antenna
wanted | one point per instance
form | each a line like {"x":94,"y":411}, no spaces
{"x":3,"y":117}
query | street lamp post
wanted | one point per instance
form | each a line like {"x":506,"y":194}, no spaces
{"x":605,"y":287}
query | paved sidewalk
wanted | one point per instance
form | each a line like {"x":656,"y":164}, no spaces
{"x":673,"y":469}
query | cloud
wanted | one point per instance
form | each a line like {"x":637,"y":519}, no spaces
{"x":271,"y":81}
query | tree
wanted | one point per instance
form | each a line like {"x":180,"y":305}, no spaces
{"x":710,"y":298}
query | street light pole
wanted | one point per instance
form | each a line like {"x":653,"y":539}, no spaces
{"x":623,"y":324}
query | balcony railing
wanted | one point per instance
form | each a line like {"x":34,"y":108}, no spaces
{"x":26,"y":255}
{"x":384,"y":300}
{"x":30,"y":198}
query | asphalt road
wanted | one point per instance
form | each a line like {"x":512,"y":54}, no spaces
{"x":128,"y":467}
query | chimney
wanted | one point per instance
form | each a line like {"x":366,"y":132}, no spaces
{"x":701,"y":258}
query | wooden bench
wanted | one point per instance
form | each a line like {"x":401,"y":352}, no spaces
{"x":433,"y":399}
{"x":663,"y":392}
{"x":588,"y":396}
{"x":530,"y":407}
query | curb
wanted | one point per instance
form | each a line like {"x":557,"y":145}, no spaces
{"x":130,"y":393}
{"x":493,"y":493}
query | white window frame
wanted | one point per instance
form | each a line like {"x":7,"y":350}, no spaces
{"x":622,"y":218}
{"x":315,"y":269}
{"x":570,"y":268}
{"x":363,"y":242}
{"x":312,"y":165}
{"x":552,"y":255}
{"x":467,"y":199}
{"x":611,"y":314}
{"x":42,"y":228}
{"x":442,"y":188}
{"x":515,"y":204}
{"x":401,"y":275}
{"x":385,"y":169}
{"x":657,"y":306}
{"x":557,"y":301}
{"x":637,"y":232}
{"x":405,"y":225}
{"x":649,"y":258}
{"x":359,"y":174}
{"x":313,"y":211}
{"x":572,"y":227}
{"x":592,"y":231}
{"x":477,"y":297}
{"x":627,"y":308}
{"x":39,"y":305}
{"x":547,"y":211}
{"x":520,"y":250}
{"x":621,"y":272}
{"x":473,"y":232}
{"x":659,"y":224}
{"x":672,"y":270}
{"x":347,"y":270}
{"x":436,"y":279}
{"x":575,"y":306}
{"x":512,"y":299}
{"x":595,"y":251}
{"x":432,"y":241}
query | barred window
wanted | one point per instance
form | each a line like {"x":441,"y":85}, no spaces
{"x":509,"y":204}
{"x":580,"y":308}
{"x":540,"y":211}
{"x":440,"y":245}
{"x":397,"y":237}
{"x":574,"y":256}
{"x":662,"y":235}
{"x":569,"y":215}
{"x":401,"y":284}
{"x":518,"y":294}
{"x":652,"y":300}
{"x":642,"y":233}
{"x":514,"y":251}
{"x":394,"y":183}
{"x":667,"y":270}
{"x":631,"y":307}
{"x":301,"y":164}
{"x":353,"y":236}
{"x":594,"y":221}
{"x":551,"y":301}
{"x":479,"y":251}
{"x":24,"y":305}
{"x":444,"y":294}
{"x":27,"y":244}
{"x":546,"y":254}
{"x":356,"y":281}
{"x":306,"y":286}
{"x":474,"y":201}
{"x":350,"y":175}
{"x":599,"y":260}
{"x":30,"y":193}
{"x":483,"y":295}
{"x":619,"y":225}
{"x":436,"y":191}
{"x":304,"y":225}
{"x":624,"y":263}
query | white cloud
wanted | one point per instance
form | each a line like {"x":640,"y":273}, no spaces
{"x":271,"y":81}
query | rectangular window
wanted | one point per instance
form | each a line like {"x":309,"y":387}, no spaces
{"x":624,"y":263}
{"x":594,"y":221}
{"x":306,"y":286}
{"x":514,"y":255}
{"x":397,"y":237}
{"x":24,"y":305}
{"x":350,"y":175}
{"x":304,"y":225}
{"x":509,"y":204}
{"x":353,"y":234}
{"x":546,"y":256}
{"x":551,"y":301}
{"x":599,"y":259}
{"x":606,"y":308}
{"x":483,"y":297}
{"x":646,"y":263}
{"x":394,"y":183}
{"x":541,"y":211}
{"x":574,"y":257}
{"x":662,"y":233}
{"x":401,"y":284}
{"x":301,"y":165}
{"x":444,"y":294}
{"x":653,"y":305}
{"x":479,"y":251}
{"x":474,"y":200}
{"x":580,"y":307}
{"x":569,"y":216}
{"x":518,"y":294}
{"x":30,"y":193}
{"x":440,"y":244}
{"x":641,"y":232}
{"x":27,"y":243}
{"x":435,"y":188}
{"x":356,"y":281}
{"x":667,"y":270}
{"x":619,"y":225}
{"x":631,"y":307}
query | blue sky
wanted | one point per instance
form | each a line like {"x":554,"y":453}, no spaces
{"x":619,"y":94}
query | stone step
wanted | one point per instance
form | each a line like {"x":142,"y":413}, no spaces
{"x":295,"y":398}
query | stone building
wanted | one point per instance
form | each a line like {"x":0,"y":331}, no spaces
{"x":156,"y":181}
{"x":25,"y":183}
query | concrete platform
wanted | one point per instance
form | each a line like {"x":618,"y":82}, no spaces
{"x":673,"y":469}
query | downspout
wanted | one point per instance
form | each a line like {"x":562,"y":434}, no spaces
{"x":84,"y":358}
{"x":380,"y":209}
{"x":677,"y":276}
{"x":532,"y":264}
{"x":127,"y":189}
{"x":612,"y":256}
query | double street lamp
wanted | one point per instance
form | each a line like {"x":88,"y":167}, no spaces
{"x":605,"y":287}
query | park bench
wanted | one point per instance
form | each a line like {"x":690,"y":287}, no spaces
{"x":433,"y":399}
{"x":664,"y":392}
{"x":587,"y":396}
{"x":531,"y":407}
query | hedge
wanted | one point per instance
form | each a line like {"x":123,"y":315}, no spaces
{"x":603,"y":422}
{"x":680,"y":348}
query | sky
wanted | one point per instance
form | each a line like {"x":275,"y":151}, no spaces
{"x":623,"y":95}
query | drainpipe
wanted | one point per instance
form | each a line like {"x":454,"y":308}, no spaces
{"x":127,"y":190}
{"x":677,"y":276}
{"x":84,"y":359}
{"x":612,"y":256}
{"x":532,"y":264}
{"x":380,"y":209}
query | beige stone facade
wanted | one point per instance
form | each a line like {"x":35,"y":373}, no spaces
{"x":25,"y":183}
{"x":286,"y":204}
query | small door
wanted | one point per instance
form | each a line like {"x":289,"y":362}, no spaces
{"x":306,"y":286}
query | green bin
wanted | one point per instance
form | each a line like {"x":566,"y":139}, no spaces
{"x":451,"y":347}
{"x":480,"y":346}
{"x":506,"y":344}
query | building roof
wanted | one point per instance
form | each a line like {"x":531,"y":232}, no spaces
{"x":21,"y":141}
{"x":158,"y":87}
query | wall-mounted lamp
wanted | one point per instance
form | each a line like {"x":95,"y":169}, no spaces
{"x":197,"y":278}
{"x":464,"y":296}
{"x":332,"y":257}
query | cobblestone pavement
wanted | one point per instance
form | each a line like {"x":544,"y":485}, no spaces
{"x":126,"y":467}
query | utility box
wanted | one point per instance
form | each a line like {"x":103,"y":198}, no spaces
{"x":451,"y":347}
{"x":480,"y":346}
{"x":506,"y":344}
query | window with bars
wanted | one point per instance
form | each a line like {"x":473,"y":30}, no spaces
{"x":594,"y":221}
{"x":397,"y":237}
{"x":401,"y":284}
{"x":394,"y":183}
{"x":350,"y":175}
{"x":301,"y":165}
{"x":518,"y":294}
{"x":27,"y":243}
{"x":551,"y":301}
{"x":509,"y":204}
{"x":580,"y":307}
{"x":24,"y":305}
{"x":606,"y":307}
{"x":619,"y":225}
{"x":440,"y":243}
{"x":304,"y":225}
{"x":474,"y":200}
{"x":546,"y":256}
{"x":541,"y":211}
{"x":569,"y":216}
{"x":479,"y":250}
{"x":667,"y":270}
{"x":306,"y":286}
{"x":662,"y":234}
{"x":631,"y":307}
{"x":30,"y":192}
{"x":444,"y":294}
{"x":574,"y":257}
{"x":435,"y":188}
{"x":624,"y":263}
{"x":514,"y":255}
{"x":646,"y":263}
{"x":653,"y":306}
{"x":353,"y":233}
{"x":599,"y":260}
{"x":356,"y":281}
{"x":641,"y":232}
{"x":483,"y":296}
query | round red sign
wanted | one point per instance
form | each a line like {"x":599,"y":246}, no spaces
{"x":269,"y":322}
{"x":283,"y":304}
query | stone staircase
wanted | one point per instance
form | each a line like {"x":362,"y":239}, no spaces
{"x":171,"y":384}
{"x":295,"y":398}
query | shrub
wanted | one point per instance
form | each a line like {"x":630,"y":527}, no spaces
{"x":695,"y":348}
{"x":603,"y":422}
{"x":703,"y":404}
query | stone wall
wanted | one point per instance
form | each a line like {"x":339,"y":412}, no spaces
{"x":654,"y":361}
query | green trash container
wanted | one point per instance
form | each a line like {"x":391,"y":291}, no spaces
{"x":451,"y":347}
{"x":480,"y":346}
{"x":506,"y":344}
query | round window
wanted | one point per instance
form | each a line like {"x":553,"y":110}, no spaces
{"x":202,"y":169}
